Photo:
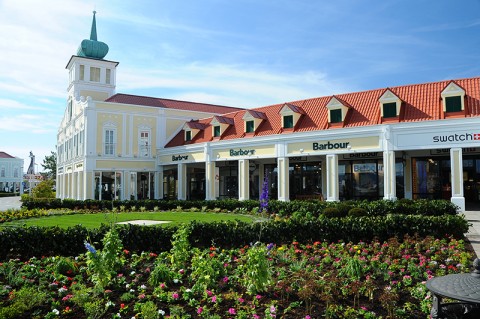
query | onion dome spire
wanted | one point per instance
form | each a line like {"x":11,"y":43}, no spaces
{"x":93,"y":48}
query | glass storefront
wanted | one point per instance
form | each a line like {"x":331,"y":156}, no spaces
{"x":196,"y":183}
{"x":228,"y":183}
{"x":170,"y":182}
{"x":108,"y":185}
{"x":363,"y":179}
{"x":431,"y":178}
{"x":305,"y":179}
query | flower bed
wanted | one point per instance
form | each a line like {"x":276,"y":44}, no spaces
{"x":317,"y":280}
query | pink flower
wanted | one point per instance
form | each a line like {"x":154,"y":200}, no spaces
{"x":258,"y":297}
{"x":225,"y":279}
{"x":232,"y":311}
{"x":241,"y":300}
{"x":214,"y":299}
{"x":199,"y":310}
{"x":175,"y":295}
{"x":307,"y":317}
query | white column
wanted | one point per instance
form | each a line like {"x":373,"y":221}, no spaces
{"x":159,"y":183}
{"x":243,"y":179}
{"x":283,"y":179}
{"x":332,"y":178}
{"x":324,"y":178}
{"x":389,"y":176}
{"x":64,"y":184}
{"x":182,"y":181}
{"x":456,"y":168}
{"x":407,"y":177}
{"x":210,"y":180}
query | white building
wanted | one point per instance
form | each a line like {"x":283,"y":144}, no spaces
{"x":11,"y":173}
{"x":107,"y":142}
{"x":412,"y":141}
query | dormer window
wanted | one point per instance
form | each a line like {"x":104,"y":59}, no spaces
{"x":249,"y":126}
{"x":288,"y":121}
{"x":192,"y":128}
{"x":337,"y":110}
{"x":336,"y":116}
{"x":252,"y":120}
{"x":389,"y":109}
{"x":453,"y":97}
{"x":216,"y":131}
{"x":220,"y":124}
{"x":390,"y":105}
{"x":453,"y":104}
{"x":290,"y":115}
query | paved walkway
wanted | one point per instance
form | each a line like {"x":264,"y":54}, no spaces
{"x":9,"y":203}
{"x":472,"y":215}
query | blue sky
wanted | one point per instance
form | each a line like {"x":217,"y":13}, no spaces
{"x":242,"y":53}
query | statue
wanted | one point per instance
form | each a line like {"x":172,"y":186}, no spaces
{"x":31,"y":167}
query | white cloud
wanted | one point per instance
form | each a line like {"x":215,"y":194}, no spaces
{"x":233,"y":85}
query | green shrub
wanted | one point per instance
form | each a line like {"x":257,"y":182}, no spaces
{"x":357,"y":212}
{"x":331,"y":212}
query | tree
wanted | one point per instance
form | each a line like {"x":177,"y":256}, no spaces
{"x":50,"y":166}
{"x":44,"y":190}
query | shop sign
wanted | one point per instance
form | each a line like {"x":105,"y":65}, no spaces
{"x":456,"y":137}
{"x":365,"y":168}
{"x":241,"y":152}
{"x":361,"y":155}
{"x":176,"y":158}
{"x":330,"y":146}
{"x":443,"y":151}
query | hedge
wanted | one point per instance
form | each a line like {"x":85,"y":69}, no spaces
{"x":310,"y":207}
{"x":27,"y":242}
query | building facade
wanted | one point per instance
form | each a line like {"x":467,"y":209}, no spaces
{"x":107,"y":142}
{"x":413,"y":141}
{"x":11,"y":173}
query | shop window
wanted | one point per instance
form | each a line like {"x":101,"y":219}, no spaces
{"x":389,"y":110}
{"x":288,"y":121}
{"x":453,"y":103}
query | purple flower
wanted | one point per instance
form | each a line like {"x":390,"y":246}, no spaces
{"x":90,"y":248}
{"x":264,"y":196}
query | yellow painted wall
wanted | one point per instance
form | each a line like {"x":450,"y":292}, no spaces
{"x":119,"y":165}
{"x":96,"y":96}
{"x":117,"y":121}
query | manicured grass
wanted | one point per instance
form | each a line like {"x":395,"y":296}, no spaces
{"x":95,"y":220}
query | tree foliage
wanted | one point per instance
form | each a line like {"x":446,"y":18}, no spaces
{"x":44,"y":189}
{"x":50,"y":166}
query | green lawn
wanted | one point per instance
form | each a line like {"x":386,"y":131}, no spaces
{"x":95,"y":220}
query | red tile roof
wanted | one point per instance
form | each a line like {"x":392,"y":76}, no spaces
{"x":170,"y":104}
{"x":421,"y":102}
{"x":5,"y":155}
